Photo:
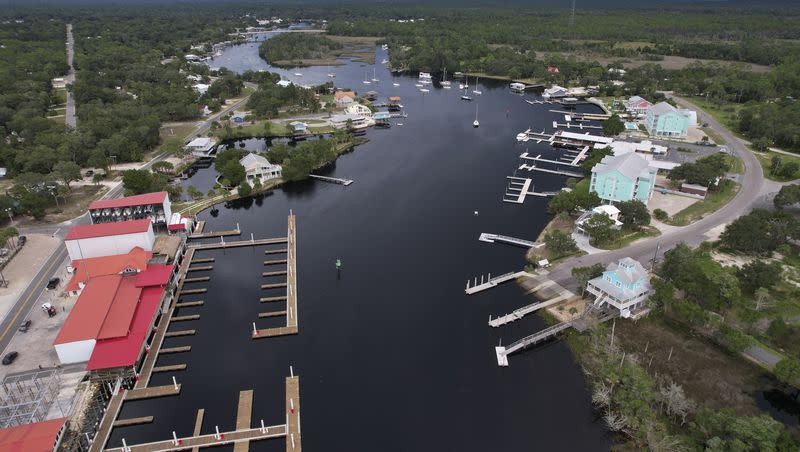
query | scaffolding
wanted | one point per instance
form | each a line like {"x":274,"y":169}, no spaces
{"x":27,"y":397}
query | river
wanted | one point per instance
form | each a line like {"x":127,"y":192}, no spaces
{"x":392,"y":355}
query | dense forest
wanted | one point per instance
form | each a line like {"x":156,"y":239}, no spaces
{"x":290,"y":47}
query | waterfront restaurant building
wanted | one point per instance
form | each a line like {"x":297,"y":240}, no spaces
{"x":155,"y":207}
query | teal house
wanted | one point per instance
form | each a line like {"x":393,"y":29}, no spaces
{"x":664,"y":120}
{"x":623,"y":178}
{"x":624,"y":285}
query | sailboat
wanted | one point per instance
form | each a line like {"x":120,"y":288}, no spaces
{"x":374,"y":79}
{"x":464,"y":96}
{"x":475,"y":123}
{"x":476,"y":90}
{"x":366,"y":82}
{"x":445,"y":82}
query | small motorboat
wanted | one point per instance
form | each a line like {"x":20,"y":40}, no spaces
{"x":395,"y":84}
{"x":423,"y":90}
{"x":297,"y":74}
{"x":332,"y":75}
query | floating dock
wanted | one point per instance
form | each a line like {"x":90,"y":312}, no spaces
{"x":133,"y":421}
{"x":516,"y":194}
{"x":545,"y":170}
{"x":491,"y":282}
{"x":223,"y":244}
{"x":152,"y":392}
{"x":291,"y":288}
{"x":333,"y":180}
{"x":206,"y":235}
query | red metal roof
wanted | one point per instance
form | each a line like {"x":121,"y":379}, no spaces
{"x":87,"y":316}
{"x":155,"y":275}
{"x":106,"y":265}
{"x":176,"y":227}
{"x":36,"y":437}
{"x":124,"y":351}
{"x":120,"y":314}
{"x":88,"y":231}
{"x":130,"y":201}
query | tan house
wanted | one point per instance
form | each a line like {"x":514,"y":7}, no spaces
{"x":344,"y":98}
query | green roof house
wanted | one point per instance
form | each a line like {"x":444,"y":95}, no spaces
{"x":623,"y":178}
{"x":664,"y":120}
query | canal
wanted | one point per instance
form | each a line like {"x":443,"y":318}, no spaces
{"x":392,"y":355}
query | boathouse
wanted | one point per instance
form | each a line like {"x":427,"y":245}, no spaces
{"x":105,"y":239}
{"x":155,"y":207}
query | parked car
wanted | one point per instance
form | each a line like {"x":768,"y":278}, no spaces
{"x":21,"y":240}
{"x":89,"y":173}
{"x":25,"y":325}
{"x":53,"y":283}
{"x":9,"y":358}
{"x":49,"y":309}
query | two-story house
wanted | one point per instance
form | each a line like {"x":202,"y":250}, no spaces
{"x":623,"y":178}
{"x":625,"y":285}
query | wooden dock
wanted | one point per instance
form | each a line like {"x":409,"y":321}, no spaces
{"x":243,"y":414}
{"x":181,"y":349}
{"x":198,"y":229}
{"x":198,"y":425}
{"x":189,"y":304}
{"x":273,"y":332}
{"x":133,"y":421}
{"x":235,"y":244}
{"x":278,"y":251}
{"x":550,"y":171}
{"x":273,"y":285}
{"x":207,"y":235}
{"x":268,"y":299}
{"x":197,"y":279}
{"x":493,"y":238}
{"x":264,"y":315}
{"x":210,"y":440}
{"x":276,"y":273}
{"x":192,"y":291}
{"x":333,"y":180}
{"x":184,"y":318}
{"x":200,"y":268}
{"x":275,"y":262}
{"x":293,"y":443}
{"x":171,"y":368}
{"x":491,"y":282}
{"x":180,"y":333}
{"x":152,"y":392}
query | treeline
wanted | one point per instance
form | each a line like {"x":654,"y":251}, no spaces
{"x":288,"y":47}
{"x":300,"y":160}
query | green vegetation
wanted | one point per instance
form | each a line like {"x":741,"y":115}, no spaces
{"x":704,"y":171}
{"x":787,"y":196}
{"x":572,"y":201}
{"x":269,"y":99}
{"x":137,"y":182}
{"x":761,"y":232}
{"x":714,"y":200}
{"x":779,"y":167}
{"x":559,"y":244}
{"x":228,"y":166}
{"x":288,"y":49}
{"x":613,"y":126}
{"x":298,"y":161}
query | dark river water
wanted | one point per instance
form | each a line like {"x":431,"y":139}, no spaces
{"x":392,"y":355}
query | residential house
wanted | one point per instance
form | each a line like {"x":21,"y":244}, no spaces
{"x":344,"y":98}
{"x":555,"y":91}
{"x":299,"y":128}
{"x":201,"y":146}
{"x":608,"y":210}
{"x":637,"y":106}
{"x":257,"y":167}
{"x":664,"y":120}
{"x":624,"y":285}
{"x":358,"y":109}
{"x":351,"y":121}
{"x":623,"y":178}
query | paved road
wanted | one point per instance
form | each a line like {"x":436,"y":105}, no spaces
{"x":755,"y":191}
{"x":70,"y":112}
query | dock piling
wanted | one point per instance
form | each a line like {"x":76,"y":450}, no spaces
{"x":124,"y":444}
{"x":263,"y":429}
{"x":255,"y":330}
{"x":252,"y":239}
{"x":175,"y":440}
{"x":174,"y":382}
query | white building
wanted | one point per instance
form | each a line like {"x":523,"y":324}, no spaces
{"x":201,"y":88}
{"x":354,"y":121}
{"x":608,"y":210}
{"x":627,"y":147}
{"x":555,"y":91}
{"x":358,"y":109}
{"x":201,"y":146}
{"x":258,"y":167}
{"x":106,"y":239}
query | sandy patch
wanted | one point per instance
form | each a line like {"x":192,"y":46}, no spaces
{"x":669,"y":202}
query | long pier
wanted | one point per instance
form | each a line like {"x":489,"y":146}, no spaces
{"x":545,"y":170}
{"x":223,"y":244}
{"x":291,"y":288}
{"x":491,"y":282}
{"x":529,"y":309}
{"x":206,"y":235}
{"x":503,"y":352}
{"x":492,"y":238}
{"x":333,"y":180}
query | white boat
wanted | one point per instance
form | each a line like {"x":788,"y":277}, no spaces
{"x":384,"y":61}
{"x":418,"y":85}
{"x":366,"y":82}
{"x":423,"y":90}
{"x":395,"y":84}
{"x":475,"y":123}
{"x":476,"y":90}
{"x":331,"y":75}
{"x":518,"y":87}
{"x":298,"y":74}
{"x":523,"y":137}
{"x":445,"y":83}
{"x":385,"y":47}
{"x":424,"y":75}
{"x":399,"y":123}
{"x":461,"y":86}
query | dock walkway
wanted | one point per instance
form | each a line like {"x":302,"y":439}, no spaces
{"x":333,"y":180}
{"x":492,"y":238}
{"x":223,"y":244}
{"x":492,"y":282}
{"x":529,"y":309}
{"x":292,"y":325}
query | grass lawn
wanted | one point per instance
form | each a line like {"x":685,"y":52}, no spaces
{"x":714,"y":135}
{"x":259,"y":129}
{"x":180,"y":130}
{"x":765,"y":158}
{"x":737,"y":165}
{"x":625,"y":238}
{"x":726,"y":114}
{"x":713,"y":201}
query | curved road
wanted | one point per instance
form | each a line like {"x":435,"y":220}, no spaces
{"x":754,"y":189}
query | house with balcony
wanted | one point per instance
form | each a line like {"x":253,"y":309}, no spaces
{"x":257,"y":167}
{"x":664,"y":120}
{"x":624,"y":177}
{"x":637,"y":106}
{"x":624,"y":285}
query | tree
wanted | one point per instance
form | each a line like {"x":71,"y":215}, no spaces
{"x":761,"y":144}
{"x":760,"y":231}
{"x":193,"y":192}
{"x":163,"y":167}
{"x":583,"y":274}
{"x":600,"y":228}
{"x":759,"y":274}
{"x":788,"y":170}
{"x":613,"y":126}
{"x":787,"y":371}
{"x":137,"y":182}
{"x":245,"y":189}
{"x":675,"y":401}
{"x":660,"y":215}
{"x":705,"y":171}
{"x":727,"y":285}
{"x":789,"y":195}
{"x":634,"y":214}
{"x":33,"y":205}
{"x":559,"y":243}
{"x":67,"y":171}
{"x":775,"y":163}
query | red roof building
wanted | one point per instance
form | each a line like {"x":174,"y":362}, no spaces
{"x":107,"y":239}
{"x":110,"y":322}
{"x":35,"y":437}
{"x":553,"y":69}
{"x":155,"y":207}
{"x":90,"y":231}
{"x":136,"y":259}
